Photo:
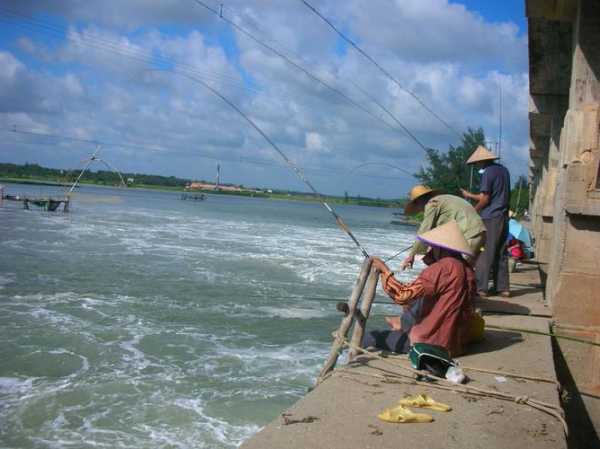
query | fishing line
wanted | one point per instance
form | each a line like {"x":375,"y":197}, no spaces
{"x":352,"y":170}
{"x":293,"y":166}
{"x":294,"y":64}
{"x":393,"y":117}
{"x":376,"y":64}
{"x":312,"y":298}
{"x":320,"y":172}
{"x":319,"y":80}
{"x":140,"y":56}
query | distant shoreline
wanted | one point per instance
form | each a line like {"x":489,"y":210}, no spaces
{"x":306,"y":198}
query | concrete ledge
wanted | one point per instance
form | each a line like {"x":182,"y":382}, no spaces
{"x":346,"y":404}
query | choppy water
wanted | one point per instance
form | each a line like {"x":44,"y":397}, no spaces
{"x":139,"y":320}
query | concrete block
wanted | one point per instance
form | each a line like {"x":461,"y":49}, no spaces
{"x":565,"y":10}
{"x":591,"y":124}
{"x":575,"y":300}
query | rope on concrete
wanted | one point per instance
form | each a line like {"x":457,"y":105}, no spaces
{"x":548,"y":334}
{"x":444,"y":384}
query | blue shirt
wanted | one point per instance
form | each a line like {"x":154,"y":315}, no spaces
{"x":496,"y":183}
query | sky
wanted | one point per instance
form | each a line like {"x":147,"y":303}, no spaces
{"x":132,"y":74}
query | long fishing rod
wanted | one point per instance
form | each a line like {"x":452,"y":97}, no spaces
{"x":398,"y":253}
{"x":293,"y":166}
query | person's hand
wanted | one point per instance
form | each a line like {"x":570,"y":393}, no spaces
{"x":465,"y":193}
{"x":428,"y":259}
{"x":408,"y":262}
{"x":379,"y":264}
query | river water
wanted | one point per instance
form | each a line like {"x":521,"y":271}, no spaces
{"x":142,"y":321}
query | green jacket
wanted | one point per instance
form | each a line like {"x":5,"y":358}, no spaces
{"x":444,"y":208}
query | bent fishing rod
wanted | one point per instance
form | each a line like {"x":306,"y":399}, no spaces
{"x":291,"y":164}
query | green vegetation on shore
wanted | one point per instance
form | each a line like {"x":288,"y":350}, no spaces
{"x":36,"y":174}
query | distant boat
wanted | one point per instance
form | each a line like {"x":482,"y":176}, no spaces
{"x":193,"y":196}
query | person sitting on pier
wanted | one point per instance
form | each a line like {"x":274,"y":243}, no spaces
{"x":440,"y":297}
{"x":439,"y":208}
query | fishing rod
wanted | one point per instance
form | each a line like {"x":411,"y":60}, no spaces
{"x":398,"y":253}
{"x":293,"y":166}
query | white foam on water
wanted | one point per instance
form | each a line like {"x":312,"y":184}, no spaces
{"x":219,"y":430}
{"x":14,"y":385}
{"x":290,"y":312}
{"x":6,"y":279}
{"x":145,"y":344}
{"x":135,"y":356}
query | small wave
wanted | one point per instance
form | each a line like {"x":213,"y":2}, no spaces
{"x":6,"y":279}
{"x":302,"y":314}
{"x":14,"y":385}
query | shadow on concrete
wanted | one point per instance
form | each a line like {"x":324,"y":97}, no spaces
{"x":582,"y":434}
{"x":524,"y":291}
{"x":530,"y":285}
{"x":501,"y":307}
{"x":494,"y":341}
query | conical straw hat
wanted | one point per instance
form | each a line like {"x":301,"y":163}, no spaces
{"x":481,"y":154}
{"x":415,"y":193}
{"x":447,"y":236}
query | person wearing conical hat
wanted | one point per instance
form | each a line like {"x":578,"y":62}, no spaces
{"x":442,"y":294}
{"x":492,"y":203}
{"x":439,"y":208}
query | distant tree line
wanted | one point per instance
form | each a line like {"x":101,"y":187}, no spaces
{"x":449,"y":172}
{"x":104,"y":177}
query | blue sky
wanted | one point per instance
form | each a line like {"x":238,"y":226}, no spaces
{"x":86,"y":71}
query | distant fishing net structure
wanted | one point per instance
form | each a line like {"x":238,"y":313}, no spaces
{"x":52,"y":204}
{"x":94,"y":158}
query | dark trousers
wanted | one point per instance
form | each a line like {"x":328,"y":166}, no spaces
{"x":494,"y":259}
{"x":392,"y":341}
{"x":396,"y":341}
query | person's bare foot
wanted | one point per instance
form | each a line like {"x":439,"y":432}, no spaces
{"x":394,"y":322}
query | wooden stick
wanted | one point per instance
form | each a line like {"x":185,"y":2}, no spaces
{"x":342,"y":332}
{"x":365,"y":309}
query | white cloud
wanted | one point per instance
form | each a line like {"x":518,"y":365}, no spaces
{"x":98,"y":84}
{"x":314,"y":142}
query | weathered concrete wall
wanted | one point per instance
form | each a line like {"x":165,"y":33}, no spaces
{"x":574,"y":267}
{"x":550,"y":43}
{"x":564,"y":42}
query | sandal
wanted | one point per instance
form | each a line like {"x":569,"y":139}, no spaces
{"x":401,"y":414}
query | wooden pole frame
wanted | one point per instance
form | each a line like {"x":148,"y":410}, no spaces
{"x":342,"y":332}
{"x":365,"y":310}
